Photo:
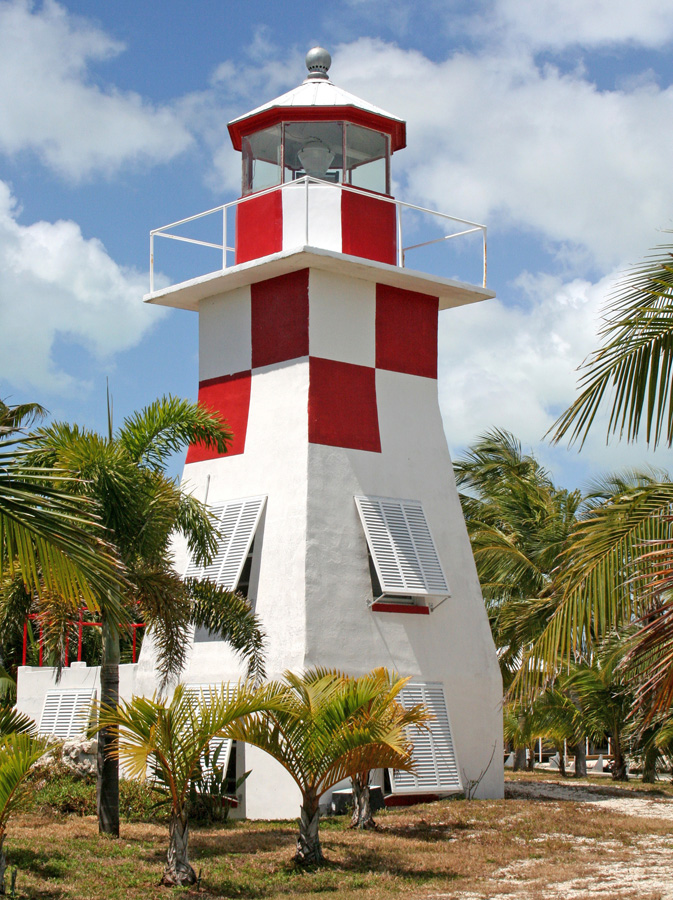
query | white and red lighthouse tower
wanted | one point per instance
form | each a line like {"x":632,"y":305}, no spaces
{"x":337,"y":502}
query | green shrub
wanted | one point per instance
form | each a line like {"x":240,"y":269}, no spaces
{"x":140,"y":802}
{"x":61,"y":793}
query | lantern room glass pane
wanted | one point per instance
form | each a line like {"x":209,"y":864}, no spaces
{"x":313,"y":148}
{"x":367,"y":156}
{"x":262,"y":159}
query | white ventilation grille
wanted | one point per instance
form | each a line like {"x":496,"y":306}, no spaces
{"x":402,"y":548}
{"x":237,"y":522}
{"x":65,"y":714}
{"x":206,"y":691}
{"x":434,"y":755}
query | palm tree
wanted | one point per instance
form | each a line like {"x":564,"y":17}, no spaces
{"x":326,"y":727}
{"x":141,"y":509}
{"x":606,"y":700}
{"x":168,"y":740}
{"x":627,"y":543}
{"x":518,"y":522}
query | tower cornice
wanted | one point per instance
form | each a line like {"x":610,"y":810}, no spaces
{"x":188,"y":294}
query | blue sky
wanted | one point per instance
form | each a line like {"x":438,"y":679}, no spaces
{"x":548,"y":120}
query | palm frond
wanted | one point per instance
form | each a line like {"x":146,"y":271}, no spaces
{"x":53,"y":539}
{"x":631,"y":373}
{"x":601,"y":582}
{"x":230,"y":617}
{"x":12,"y":722}
{"x":169,"y":425}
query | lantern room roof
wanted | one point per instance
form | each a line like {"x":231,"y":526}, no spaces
{"x":319,"y":100}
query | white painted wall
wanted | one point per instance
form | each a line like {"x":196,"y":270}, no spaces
{"x":342,"y":318}
{"x":33,"y":682}
{"x":225,"y":342}
{"x":324,"y":219}
{"x":453,"y":645}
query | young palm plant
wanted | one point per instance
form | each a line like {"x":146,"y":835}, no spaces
{"x":327,"y":727}
{"x":385,"y":705}
{"x":167,"y":741}
{"x":19,"y":751}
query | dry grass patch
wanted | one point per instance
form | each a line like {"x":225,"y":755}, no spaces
{"x":520,"y":847}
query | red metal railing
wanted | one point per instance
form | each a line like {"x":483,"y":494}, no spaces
{"x":81,"y":625}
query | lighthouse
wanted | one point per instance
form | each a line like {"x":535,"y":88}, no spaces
{"x":337,"y":507}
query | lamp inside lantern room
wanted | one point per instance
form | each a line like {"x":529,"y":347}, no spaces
{"x":316,"y":158}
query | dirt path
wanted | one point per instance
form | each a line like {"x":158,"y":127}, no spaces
{"x":621,"y":800}
{"x":601,"y":867}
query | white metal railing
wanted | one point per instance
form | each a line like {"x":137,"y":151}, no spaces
{"x":224,"y":248}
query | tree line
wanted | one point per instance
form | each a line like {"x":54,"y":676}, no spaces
{"x":578,"y":583}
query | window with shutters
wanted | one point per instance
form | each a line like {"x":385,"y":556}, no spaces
{"x":223,"y":745}
{"x":403,"y":559}
{"x":436,"y":765}
{"x":66,"y":713}
{"x":237,"y":523}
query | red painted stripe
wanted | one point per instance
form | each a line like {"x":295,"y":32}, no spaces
{"x":406,"y":331}
{"x":368,"y":227}
{"x":279,"y":318}
{"x":259,"y":227}
{"x":229,"y":397}
{"x":400,"y":608}
{"x":342,"y":409}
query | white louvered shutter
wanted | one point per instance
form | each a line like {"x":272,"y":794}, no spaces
{"x":402,"y":547}
{"x":206,"y":691}
{"x":65,"y":714}
{"x":237,"y":523}
{"x":434,"y":755}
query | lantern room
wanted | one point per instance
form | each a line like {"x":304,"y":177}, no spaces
{"x":336,"y":152}
{"x":317,"y":135}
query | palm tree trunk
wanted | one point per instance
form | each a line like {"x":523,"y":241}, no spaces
{"x":362,"y":817}
{"x":580,"y":753}
{"x":308,"y":843}
{"x":107,"y":789}
{"x":619,"y":769}
{"x":650,"y":763}
{"x":178,"y":870}
{"x":530,"y":763}
{"x":519,"y":759}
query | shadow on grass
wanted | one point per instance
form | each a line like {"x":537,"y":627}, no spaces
{"x":231,"y":843}
{"x":359,"y":868}
{"x":425,"y":831}
{"x":44,"y":865}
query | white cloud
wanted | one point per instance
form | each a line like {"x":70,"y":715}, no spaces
{"x":500,"y":139}
{"x":514,"y":367}
{"x":51,"y":106}
{"x":55,"y":284}
{"x":588,"y":23}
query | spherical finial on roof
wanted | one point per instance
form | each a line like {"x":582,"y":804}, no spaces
{"x":318,"y":62}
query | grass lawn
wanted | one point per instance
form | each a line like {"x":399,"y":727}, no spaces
{"x":541,"y":841}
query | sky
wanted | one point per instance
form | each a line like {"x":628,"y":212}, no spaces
{"x":549,"y":121}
